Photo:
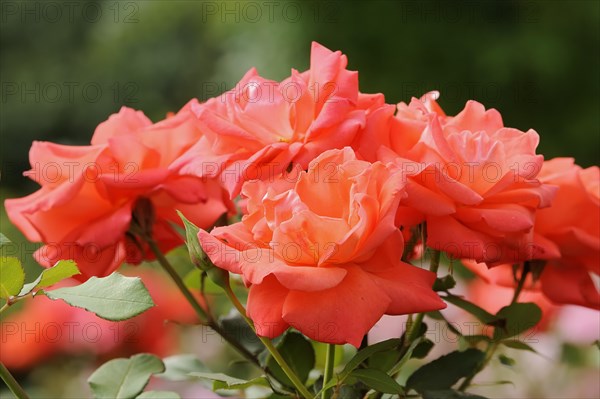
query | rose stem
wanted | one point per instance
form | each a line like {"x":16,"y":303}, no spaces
{"x":162,"y":260}
{"x":328,"y":372}
{"x":269,"y":345}
{"x":491,"y":349}
{"x":12,"y":384}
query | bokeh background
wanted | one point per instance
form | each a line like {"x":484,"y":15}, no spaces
{"x":65,"y":66}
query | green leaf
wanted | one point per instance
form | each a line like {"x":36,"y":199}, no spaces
{"x":384,"y":361}
{"x":507,"y":361}
{"x":178,"y":367}
{"x":449,"y":394}
{"x":445,"y":371}
{"x":159,"y":395}
{"x":4,"y":240}
{"x":422,"y":349}
{"x":299,"y":353}
{"x":61,"y":270}
{"x":124,"y":378}
{"x":362,"y":355}
{"x":223,"y":381}
{"x":516,"y":318}
{"x":481,"y":314}
{"x":377,"y":380}
{"x":12,"y":277}
{"x":367,"y":352}
{"x":518,"y":345}
{"x":406,"y":357}
{"x":422,"y":331}
{"x":435,"y":315}
{"x":470,"y":341}
{"x":115,"y":297}
{"x":444,"y":283}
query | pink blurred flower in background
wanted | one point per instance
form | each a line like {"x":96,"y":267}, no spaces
{"x":44,"y":328}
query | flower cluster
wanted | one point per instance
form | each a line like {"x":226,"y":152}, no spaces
{"x":333,"y":184}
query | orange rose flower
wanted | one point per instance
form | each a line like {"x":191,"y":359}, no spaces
{"x":259,"y":128}
{"x":471,"y":179}
{"x":321,"y":253}
{"x":572,"y":223}
{"x":84,"y":208}
{"x":400,"y":132}
{"x":570,"y":228}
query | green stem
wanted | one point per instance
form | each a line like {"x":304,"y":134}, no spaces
{"x":521,"y":283}
{"x":286,"y":368}
{"x":238,"y":305}
{"x":204,"y":317}
{"x":162,"y":260}
{"x":414,"y":325}
{"x":491,"y":349}
{"x":412,"y":329}
{"x":434,"y":263}
{"x":328,"y":372}
{"x":12,"y":384}
{"x":6,"y":305}
{"x":270,"y":347}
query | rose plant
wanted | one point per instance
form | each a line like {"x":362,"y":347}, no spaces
{"x":314,"y":208}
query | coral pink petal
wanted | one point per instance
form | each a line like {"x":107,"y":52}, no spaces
{"x":265,"y":307}
{"x":507,"y":218}
{"x":409,"y":288}
{"x":570,"y":286}
{"x":127,"y":121}
{"x":474,"y":117}
{"x":427,"y":201}
{"x":310,"y":278}
{"x":221,"y":254}
{"x":340,"y":315}
{"x":447,"y":234}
